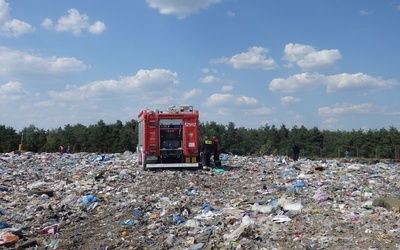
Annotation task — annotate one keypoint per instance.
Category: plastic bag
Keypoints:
(321, 196)
(88, 199)
(293, 207)
(266, 209)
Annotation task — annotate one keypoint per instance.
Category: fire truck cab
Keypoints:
(168, 139)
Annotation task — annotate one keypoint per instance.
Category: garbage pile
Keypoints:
(91, 201)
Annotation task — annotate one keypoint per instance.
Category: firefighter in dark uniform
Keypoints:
(206, 151)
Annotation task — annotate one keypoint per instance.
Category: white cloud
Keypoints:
(307, 57)
(254, 58)
(289, 100)
(152, 78)
(180, 8)
(75, 22)
(218, 99)
(192, 94)
(308, 81)
(209, 79)
(299, 82)
(18, 64)
(347, 108)
(47, 23)
(227, 88)
(295, 52)
(246, 100)
(329, 121)
(12, 91)
(156, 82)
(357, 81)
(103, 99)
(4, 11)
(10, 27)
(209, 71)
(230, 100)
(97, 28)
(319, 59)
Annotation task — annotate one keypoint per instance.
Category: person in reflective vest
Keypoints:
(206, 150)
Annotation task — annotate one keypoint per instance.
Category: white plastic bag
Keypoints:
(293, 207)
(265, 209)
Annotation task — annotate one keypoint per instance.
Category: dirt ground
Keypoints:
(78, 203)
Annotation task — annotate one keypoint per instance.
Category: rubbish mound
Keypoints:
(91, 201)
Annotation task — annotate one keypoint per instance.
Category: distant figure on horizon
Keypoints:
(61, 150)
(296, 152)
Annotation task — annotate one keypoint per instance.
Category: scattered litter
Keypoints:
(92, 201)
(281, 218)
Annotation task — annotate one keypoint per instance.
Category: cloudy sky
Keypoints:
(329, 64)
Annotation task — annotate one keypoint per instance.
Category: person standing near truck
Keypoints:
(217, 162)
(206, 150)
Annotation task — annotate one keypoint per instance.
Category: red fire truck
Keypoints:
(168, 139)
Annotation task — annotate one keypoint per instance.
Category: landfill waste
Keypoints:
(91, 201)
(389, 203)
(7, 238)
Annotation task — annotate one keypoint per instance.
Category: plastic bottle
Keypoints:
(235, 234)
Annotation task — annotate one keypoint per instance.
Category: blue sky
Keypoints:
(332, 64)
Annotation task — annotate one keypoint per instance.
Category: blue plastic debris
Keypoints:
(207, 207)
(178, 219)
(88, 199)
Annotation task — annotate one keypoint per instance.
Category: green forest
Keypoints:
(266, 140)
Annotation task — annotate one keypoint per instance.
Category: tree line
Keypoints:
(101, 137)
(265, 140)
